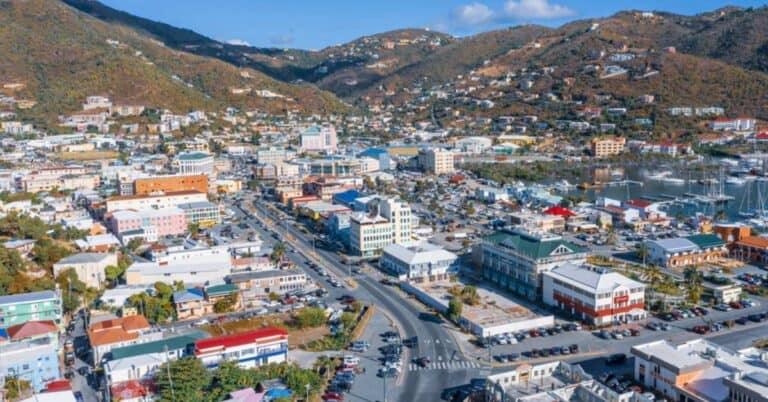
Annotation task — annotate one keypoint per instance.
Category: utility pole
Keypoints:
(384, 378)
(168, 367)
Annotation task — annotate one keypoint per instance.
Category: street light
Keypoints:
(307, 386)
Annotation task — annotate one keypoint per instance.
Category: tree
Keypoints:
(642, 252)
(47, 252)
(273, 296)
(11, 265)
(348, 320)
(72, 289)
(310, 317)
(226, 304)
(194, 229)
(189, 380)
(469, 209)
(455, 307)
(134, 244)
(16, 387)
(278, 250)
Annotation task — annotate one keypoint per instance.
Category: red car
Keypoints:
(333, 396)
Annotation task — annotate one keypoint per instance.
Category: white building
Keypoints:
(249, 349)
(193, 266)
(88, 266)
(398, 213)
(157, 201)
(436, 161)
(491, 194)
(738, 124)
(418, 261)
(319, 139)
(699, 370)
(594, 295)
(369, 234)
(473, 145)
(194, 163)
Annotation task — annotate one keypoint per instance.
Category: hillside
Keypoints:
(62, 55)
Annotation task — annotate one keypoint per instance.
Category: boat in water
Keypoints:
(672, 180)
(735, 181)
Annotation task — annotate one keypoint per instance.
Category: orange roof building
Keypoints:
(108, 334)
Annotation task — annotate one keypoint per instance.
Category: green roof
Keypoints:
(533, 247)
(192, 156)
(706, 240)
(175, 343)
(221, 290)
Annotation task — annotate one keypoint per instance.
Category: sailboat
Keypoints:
(745, 208)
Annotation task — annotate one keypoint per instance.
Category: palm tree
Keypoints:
(642, 252)
(278, 250)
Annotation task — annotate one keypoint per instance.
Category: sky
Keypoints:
(313, 24)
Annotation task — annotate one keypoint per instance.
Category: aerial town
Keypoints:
(499, 234)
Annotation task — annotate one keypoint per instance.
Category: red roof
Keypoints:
(31, 328)
(639, 203)
(132, 389)
(559, 211)
(762, 135)
(243, 338)
(57, 386)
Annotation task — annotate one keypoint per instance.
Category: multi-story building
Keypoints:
(274, 155)
(118, 332)
(331, 167)
(686, 251)
(36, 183)
(699, 370)
(259, 285)
(515, 260)
(398, 212)
(607, 146)
(369, 234)
(197, 302)
(163, 222)
(319, 139)
(193, 266)
(194, 163)
(249, 349)
(418, 262)
(30, 352)
(35, 306)
(436, 161)
(203, 213)
(738, 124)
(166, 184)
(154, 201)
(88, 266)
(594, 295)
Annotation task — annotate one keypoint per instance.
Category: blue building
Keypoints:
(385, 162)
(338, 227)
(30, 351)
(347, 198)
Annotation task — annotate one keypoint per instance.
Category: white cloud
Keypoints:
(535, 10)
(474, 14)
(238, 42)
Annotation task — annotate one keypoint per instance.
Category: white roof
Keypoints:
(61, 396)
(418, 253)
(366, 219)
(596, 281)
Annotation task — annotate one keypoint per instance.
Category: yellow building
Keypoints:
(228, 186)
(607, 146)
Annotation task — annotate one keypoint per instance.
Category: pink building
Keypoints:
(167, 221)
(319, 139)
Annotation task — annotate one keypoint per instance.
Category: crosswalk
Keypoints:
(445, 365)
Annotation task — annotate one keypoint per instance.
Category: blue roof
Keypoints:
(4, 334)
(188, 295)
(276, 393)
(373, 152)
(28, 297)
(348, 197)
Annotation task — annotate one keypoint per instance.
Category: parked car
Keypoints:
(616, 358)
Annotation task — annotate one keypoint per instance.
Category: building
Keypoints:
(154, 201)
(117, 332)
(491, 194)
(418, 262)
(515, 260)
(274, 155)
(249, 349)
(751, 248)
(197, 302)
(686, 251)
(35, 306)
(738, 124)
(30, 352)
(319, 139)
(140, 362)
(203, 213)
(436, 161)
(699, 370)
(194, 163)
(473, 145)
(398, 212)
(593, 295)
(88, 266)
(170, 184)
(607, 146)
(369, 234)
(259, 285)
(193, 266)
(162, 222)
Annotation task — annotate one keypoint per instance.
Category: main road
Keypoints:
(434, 339)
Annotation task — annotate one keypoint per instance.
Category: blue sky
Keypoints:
(313, 24)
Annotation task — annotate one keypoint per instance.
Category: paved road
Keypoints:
(434, 340)
(86, 385)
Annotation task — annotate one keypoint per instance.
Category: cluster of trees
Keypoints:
(187, 379)
(158, 307)
(466, 294)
